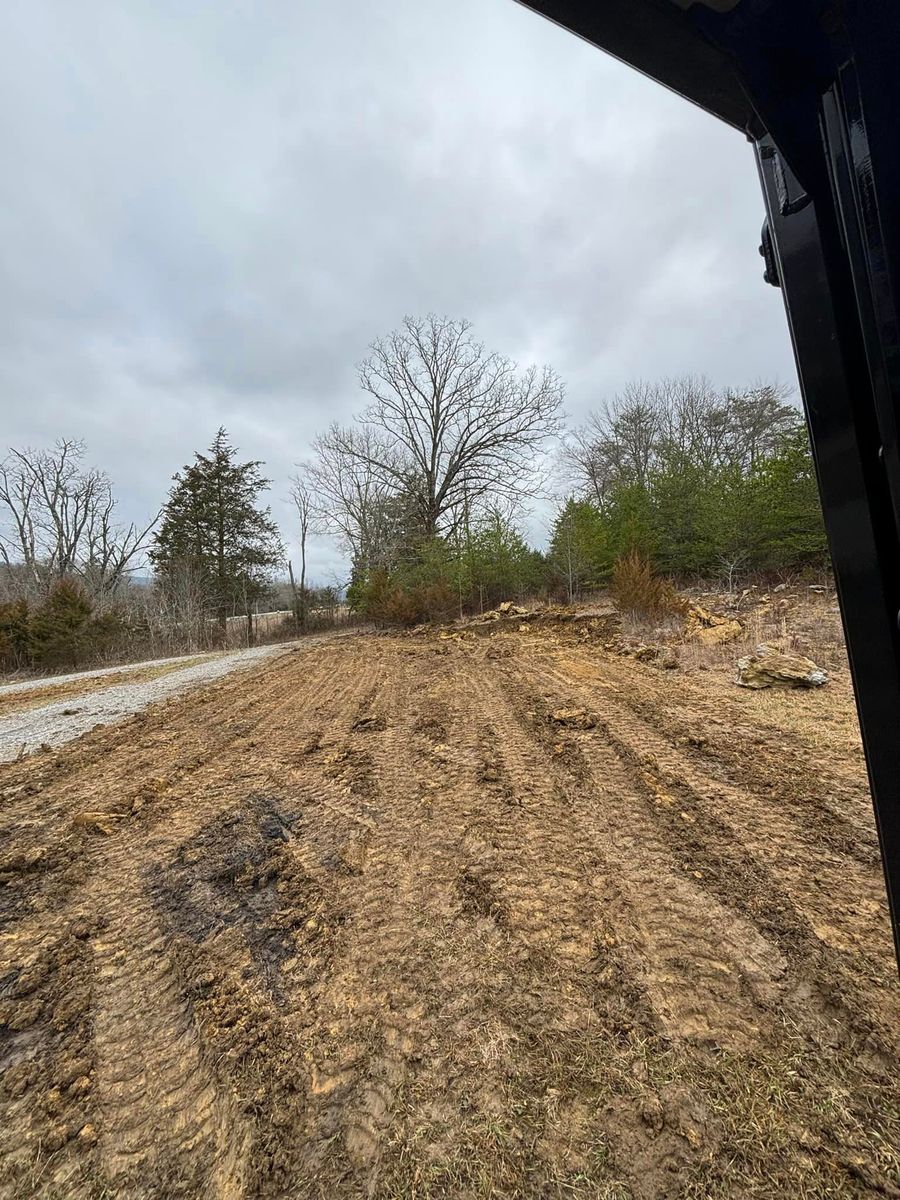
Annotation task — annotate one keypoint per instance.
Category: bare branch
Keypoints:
(59, 520)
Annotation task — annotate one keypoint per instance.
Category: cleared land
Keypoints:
(366, 921)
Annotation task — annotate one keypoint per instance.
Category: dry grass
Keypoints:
(797, 623)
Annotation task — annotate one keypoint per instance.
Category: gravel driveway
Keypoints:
(62, 720)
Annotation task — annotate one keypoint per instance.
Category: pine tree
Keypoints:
(212, 524)
(579, 551)
(60, 631)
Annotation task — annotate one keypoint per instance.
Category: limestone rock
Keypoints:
(508, 609)
(769, 668)
(709, 628)
(574, 718)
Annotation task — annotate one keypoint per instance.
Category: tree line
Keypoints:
(426, 491)
(702, 482)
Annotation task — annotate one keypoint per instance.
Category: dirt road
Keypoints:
(365, 921)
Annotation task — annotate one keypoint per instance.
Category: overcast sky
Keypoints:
(209, 208)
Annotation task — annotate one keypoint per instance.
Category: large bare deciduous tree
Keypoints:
(450, 424)
(353, 484)
(59, 521)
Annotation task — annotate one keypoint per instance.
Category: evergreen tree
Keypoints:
(60, 631)
(579, 547)
(500, 564)
(787, 525)
(212, 523)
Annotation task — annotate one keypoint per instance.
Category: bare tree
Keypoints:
(449, 423)
(674, 422)
(176, 609)
(760, 416)
(617, 444)
(352, 496)
(60, 520)
(303, 502)
(731, 564)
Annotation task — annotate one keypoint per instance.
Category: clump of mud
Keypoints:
(46, 1059)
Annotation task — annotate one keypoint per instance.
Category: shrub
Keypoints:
(15, 635)
(371, 597)
(638, 589)
(436, 601)
(60, 631)
(402, 606)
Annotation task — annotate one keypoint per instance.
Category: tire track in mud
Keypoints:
(801, 997)
(374, 935)
(815, 905)
(710, 973)
(260, 1020)
(374, 1002)
(546, 875)
(546, 862)
(477, 926)
(560, 975)
(435, 940)
(833, 805)
(161, 1118)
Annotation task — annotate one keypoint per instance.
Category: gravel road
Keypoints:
(43, 681)
(62, 720)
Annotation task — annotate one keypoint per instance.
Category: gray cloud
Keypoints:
(208, 211)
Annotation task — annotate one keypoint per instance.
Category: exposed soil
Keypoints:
(366, 921)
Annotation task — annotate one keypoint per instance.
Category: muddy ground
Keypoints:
(364, 921)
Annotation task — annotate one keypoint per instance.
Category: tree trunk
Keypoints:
(220, 563)
(303, 579)
(295, 599)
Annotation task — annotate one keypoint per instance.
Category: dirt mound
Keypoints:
(583, 623)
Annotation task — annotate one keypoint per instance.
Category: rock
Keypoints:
(709, 628)
(368, 723)
(646, 653)
(574, 718)
(24, 860)
(506, 609)
(96, 822)
(769, 668)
